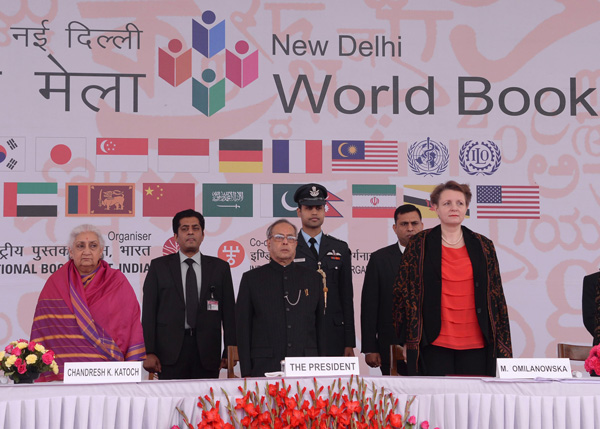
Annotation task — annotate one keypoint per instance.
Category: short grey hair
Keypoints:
(86, 227)
(277, 222)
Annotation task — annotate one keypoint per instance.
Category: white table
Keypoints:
(446, 402)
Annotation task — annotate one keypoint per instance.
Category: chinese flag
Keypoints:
(166, 199)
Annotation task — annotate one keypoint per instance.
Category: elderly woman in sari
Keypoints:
(449, 306)
(88, 311)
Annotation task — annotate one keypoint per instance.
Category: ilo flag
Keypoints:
(277, 200)
(12, 154)
(297, 156)
(508, 202)
(227, 200)
(35, 199)
(373, 201)
(100, 199)
(121, 154)
(167, 199)
(240, 156)
(60, 153)
(183, 155)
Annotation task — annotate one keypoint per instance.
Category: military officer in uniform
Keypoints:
(279, 307)
(331, 258)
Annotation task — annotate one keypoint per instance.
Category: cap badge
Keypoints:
(314, 192)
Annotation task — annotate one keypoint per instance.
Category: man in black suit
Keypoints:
(331, 256)
(279, 307)
(589, 305)
(377, 328)
(183, 335)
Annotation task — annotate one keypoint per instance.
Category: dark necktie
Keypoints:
(313, 248)
(191, 293)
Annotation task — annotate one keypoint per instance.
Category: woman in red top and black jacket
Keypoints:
(449, 306)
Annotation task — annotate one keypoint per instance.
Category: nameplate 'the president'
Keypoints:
(533, 368)
(321, 366)
(103, 372)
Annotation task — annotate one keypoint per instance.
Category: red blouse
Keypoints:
(460, 329)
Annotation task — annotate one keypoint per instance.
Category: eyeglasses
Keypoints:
(279, 238)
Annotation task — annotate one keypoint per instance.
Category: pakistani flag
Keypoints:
(377, 201)
(277, 200)
(227, 200)
(35, 199)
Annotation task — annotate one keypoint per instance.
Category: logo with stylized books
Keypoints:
(208, 40)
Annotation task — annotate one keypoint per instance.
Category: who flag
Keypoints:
(30, 199)
(365, 156)
(277, 200)
(298, 156)
(373, 201)
(227, 200)
(508, 202)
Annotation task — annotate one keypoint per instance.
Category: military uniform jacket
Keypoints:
(377, 327)
(163, 310)
(338, 323)
(278, 313)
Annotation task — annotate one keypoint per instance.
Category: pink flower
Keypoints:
(22, 368)
(48, 357)
(425, 424)
(9, 348)
(16, 351)
(31, 346)
(18, 362)
(412, 420)
(174, 427)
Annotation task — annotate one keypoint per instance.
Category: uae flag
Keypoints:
(183, 155)
(60, 153)
(373, 201)
(166, 199)
(122, 154)
(240, 156)
(297, 156)
(34, 199)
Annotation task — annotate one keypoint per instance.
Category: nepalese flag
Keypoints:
(298, 156)
(508, 202)
(35, 199)
(60, 153)
(240, 156)
(183, 155)
(366, 156)
(373, 201)
(121, 154)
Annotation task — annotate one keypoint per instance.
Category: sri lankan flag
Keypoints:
(418, 195)
(240, 156)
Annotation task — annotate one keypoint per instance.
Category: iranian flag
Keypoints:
(373, 201)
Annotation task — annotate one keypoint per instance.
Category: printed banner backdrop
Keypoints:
(119, 113)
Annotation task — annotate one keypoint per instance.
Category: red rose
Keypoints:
(48, 357)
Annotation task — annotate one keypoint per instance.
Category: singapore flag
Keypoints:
(121, 154)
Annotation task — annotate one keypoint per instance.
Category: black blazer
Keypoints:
(271, 327)
(589, 307)
(335, 258)
(163, 310)
(377, 326)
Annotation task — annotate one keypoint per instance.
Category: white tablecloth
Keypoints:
(446, 402)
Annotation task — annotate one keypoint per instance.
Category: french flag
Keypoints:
(297, 156)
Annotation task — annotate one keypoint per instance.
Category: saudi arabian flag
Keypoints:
(375, 201)
(31, 199)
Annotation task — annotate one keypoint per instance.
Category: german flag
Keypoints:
(240, 156)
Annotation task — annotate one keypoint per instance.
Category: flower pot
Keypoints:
(27, 377)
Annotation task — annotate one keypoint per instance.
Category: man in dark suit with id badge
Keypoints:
(188, 304)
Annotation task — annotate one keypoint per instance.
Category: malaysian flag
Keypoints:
(354, 155)
(508, 202)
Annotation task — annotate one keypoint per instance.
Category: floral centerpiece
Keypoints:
(345, 406)
(23, 361)
(592, 363)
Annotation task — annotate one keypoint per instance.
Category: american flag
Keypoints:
(355, 155)
(508, 202)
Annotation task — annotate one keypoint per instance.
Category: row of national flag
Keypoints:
(40, 199)
(193, 155)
